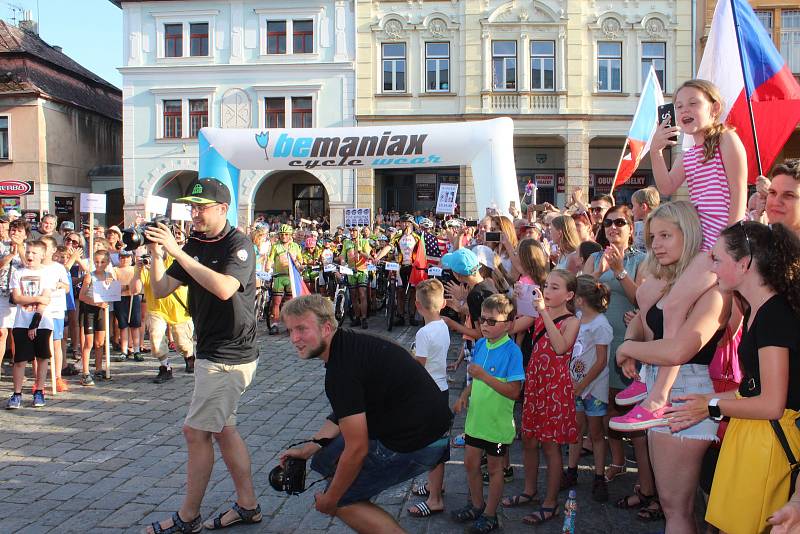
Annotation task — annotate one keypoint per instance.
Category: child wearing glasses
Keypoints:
(548, 409)
(497, 377)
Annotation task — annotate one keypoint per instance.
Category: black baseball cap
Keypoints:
(207, 191)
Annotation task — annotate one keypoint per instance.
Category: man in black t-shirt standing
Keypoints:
(389, 421)
(218, 266)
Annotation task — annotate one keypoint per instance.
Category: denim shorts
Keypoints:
(692, 378)
(382, 467)
(58, 329)
(591, 406)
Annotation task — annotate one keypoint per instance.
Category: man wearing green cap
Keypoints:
(278, 261)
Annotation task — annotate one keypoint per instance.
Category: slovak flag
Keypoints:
(765, 80)
(299, 287)
(644, 124)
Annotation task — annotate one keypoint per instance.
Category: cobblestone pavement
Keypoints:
(112, 457)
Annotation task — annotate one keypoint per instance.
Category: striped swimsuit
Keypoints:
(708, 191)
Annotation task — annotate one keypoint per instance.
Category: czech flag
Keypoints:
(299, 287)
(644, 124)
(762, 77)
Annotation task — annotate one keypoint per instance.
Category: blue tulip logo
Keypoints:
(263, 141)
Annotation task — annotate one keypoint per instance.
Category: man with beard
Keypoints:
(218, 265)
(389, 421)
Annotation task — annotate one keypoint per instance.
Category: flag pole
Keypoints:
(616, 173)
(746, 86)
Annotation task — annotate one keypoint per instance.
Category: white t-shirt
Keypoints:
(32, 283)
(638, 236)
(432, 342)
(58, 297)
(584, 353)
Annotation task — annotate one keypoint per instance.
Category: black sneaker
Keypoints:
(189, 365)
(600, 489)
(138, 357)
(164, 374)
(364, 323)
(70, 370)
(569, 479)
(355, 322)
(273, 330)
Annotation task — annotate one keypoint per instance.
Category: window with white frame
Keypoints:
(543, 65)
(173, 40)
(173, 123)
(437, 67)
(790, 38)
(198, 115)
(4, 138)
(765, 17)
(276, 37)
(504, 65)
(655, 54)
(275, 112)
(302, 112)
(609, 66)
(393, 59)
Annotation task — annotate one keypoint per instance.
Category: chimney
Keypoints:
(27, 23)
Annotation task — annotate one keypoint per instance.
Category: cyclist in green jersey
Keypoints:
(278, 261)
(356, 251)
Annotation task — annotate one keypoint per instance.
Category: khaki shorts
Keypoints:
(182, 334)
(217, 390)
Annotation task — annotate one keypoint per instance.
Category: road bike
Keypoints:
(263, 303)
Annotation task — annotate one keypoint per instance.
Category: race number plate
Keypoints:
(434, 271)
(345, 270)
(391, 266)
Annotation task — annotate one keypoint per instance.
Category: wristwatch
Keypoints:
(713, 410)
(622, 275)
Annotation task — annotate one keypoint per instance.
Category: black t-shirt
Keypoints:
(368, 374)
(226, 329)
(475, 298)
(775, 325)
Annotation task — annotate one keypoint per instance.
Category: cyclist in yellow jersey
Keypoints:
(356, 250)
(311, 259)
(278, 261)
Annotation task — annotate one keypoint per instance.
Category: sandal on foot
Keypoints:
(542, 515)
(423, 490)
(643, 500)
(618, 471)
(421, 509)
(647, 514)
(468, 513)
(179, 526)
(519, 500)
(245, 516)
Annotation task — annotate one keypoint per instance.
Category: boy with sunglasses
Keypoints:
(497, 377)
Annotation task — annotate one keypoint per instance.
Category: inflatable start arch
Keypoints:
(486, 146)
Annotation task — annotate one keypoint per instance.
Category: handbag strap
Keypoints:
(776, 426)
(542, 332)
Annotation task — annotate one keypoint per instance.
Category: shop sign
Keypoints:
(15, 188)
(545, 180)
(562, 180)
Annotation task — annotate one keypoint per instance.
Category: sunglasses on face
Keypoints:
(596, 209)
(491, 322)
(619, 223)
(73, 241)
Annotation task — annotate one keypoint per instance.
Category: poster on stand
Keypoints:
(448, 195)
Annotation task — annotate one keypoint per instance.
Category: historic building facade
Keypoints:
(568, 72)
(235, 64)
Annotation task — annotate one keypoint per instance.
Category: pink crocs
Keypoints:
(632, 394)
(638, 419)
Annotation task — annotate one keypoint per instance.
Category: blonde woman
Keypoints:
(564, 235)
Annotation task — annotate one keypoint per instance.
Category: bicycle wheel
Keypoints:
(390, 307)
(338, 306)
(260, 305)
(268, 307)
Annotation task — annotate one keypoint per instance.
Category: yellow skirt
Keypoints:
(752, 479)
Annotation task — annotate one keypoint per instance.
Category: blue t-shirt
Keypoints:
(490, 416)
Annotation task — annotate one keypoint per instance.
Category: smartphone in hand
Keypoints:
(492, 237)
(667, 113)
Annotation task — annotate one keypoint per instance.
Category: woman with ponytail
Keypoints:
(752, 477)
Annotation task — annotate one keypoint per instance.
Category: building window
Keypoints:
(766, 19)
(394, 67)
(655, 54)
(437, 67)
(543, 65)
(173, 40)
(198, 116)
(301, 112)
(4, 138)
(504, 65)
(172, 119)
(198, 39)
(275, 112)
(790, 38)
(303, 34)
(309, 201)
(276, 37)
(609, 66)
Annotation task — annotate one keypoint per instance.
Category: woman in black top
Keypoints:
(751, 481)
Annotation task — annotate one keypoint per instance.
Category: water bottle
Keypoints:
(570, 509)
